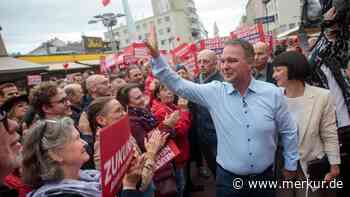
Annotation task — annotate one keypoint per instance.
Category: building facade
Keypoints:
(174, 20)
(286, 14)
(3, 51)
(57, 46)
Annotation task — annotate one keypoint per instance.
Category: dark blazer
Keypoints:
(269, 73)
(201, 116)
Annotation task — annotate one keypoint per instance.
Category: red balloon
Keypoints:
(65, 66)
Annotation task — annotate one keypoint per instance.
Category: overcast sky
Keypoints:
(27, 23)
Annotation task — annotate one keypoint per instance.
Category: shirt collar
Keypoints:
(253, 87)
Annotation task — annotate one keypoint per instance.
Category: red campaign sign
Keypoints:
(252, 34)
(102, 64)
(188, 53)
(215, 44)
(137, 49)
(116, 154)
(167, 154)
(270, 41)
(111, 60)
(140, 50)
(183, 51)
(34, 79)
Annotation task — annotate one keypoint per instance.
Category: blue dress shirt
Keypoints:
(247, 127)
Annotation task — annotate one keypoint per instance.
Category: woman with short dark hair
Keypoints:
(314, 112)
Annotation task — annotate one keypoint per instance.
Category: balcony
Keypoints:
(191, 4)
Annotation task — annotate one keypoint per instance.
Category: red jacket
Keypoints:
(15, 182)
(182, 127)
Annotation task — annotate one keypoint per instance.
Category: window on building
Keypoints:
(125, 31)
(291, 25)
(167, 18)
(140, 37)
(159, 21)
(146, 35)
(127, 41)
(162, 42)
(137, 27)
(144, 25)
(117, 33)
(161, 32)
(168, 30)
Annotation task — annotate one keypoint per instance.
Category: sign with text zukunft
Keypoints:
(116, 155)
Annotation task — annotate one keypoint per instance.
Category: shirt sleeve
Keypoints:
(288, 131)
(328, 131)
(197, 93)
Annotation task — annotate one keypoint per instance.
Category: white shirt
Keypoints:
(341, 109)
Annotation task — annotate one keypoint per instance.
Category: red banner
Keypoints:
(215, 44)
(103, 68)
(137, 49)
(116, 155)
(252, 34)
(182, 51)
(168, 153)
(188, 54)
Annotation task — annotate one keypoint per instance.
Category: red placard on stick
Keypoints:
(116, 154)
(168, 153)
(252, 34)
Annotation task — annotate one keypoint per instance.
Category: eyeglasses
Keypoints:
(3, 119)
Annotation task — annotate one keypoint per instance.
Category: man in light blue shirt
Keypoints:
(248, 115)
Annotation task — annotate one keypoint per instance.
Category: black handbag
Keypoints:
(318, 168)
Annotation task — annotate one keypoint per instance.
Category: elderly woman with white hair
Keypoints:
(53, 154)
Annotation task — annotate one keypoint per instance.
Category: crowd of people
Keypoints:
(247, 114)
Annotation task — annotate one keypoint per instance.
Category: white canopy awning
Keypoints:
(287, 33)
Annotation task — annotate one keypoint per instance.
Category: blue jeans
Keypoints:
(150, 190)
(224, 184)
(180, 181)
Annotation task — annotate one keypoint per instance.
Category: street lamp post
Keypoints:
(108, 20)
